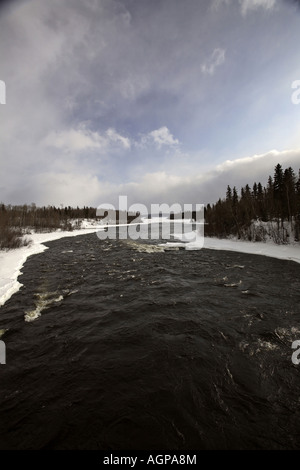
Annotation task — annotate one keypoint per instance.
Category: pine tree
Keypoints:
(289, 193)
(235, 198)
(278, 191)
(297, 208)
(269, 197)
(261, 213)
(254, 191)
(228, 194)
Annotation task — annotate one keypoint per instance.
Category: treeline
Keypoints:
(277, 203)
(42, 219)
(19, 220)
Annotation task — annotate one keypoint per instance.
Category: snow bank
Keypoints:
(286, 252)
(12, 261)
(193, 241)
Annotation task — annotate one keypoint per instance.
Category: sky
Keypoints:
(164, 101)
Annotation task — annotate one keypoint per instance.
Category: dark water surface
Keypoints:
(139, 349)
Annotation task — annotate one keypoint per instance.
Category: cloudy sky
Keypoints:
(160, 100)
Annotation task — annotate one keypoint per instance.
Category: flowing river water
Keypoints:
(118, 344)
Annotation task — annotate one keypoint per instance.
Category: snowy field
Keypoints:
(12, 261)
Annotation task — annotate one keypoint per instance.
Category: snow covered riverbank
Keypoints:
(11, 262)
(286, 252)
(268, 248)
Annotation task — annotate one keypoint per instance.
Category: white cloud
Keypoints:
(216, 59)
(113, 136)
(199, 187)
(63, 187)
(216, 4)
(74, 140)
(160, 137)
(248, 5)
(73, 186)
(245, 5)
(82, 139)
(247, 170)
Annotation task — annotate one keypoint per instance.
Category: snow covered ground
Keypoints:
(269, 248)
(287, 252)
(11, 262)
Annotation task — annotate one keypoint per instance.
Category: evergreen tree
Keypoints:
(280, 199)
(235, 198)
(289, 193)
(228, 194)
(278, 191)
(254, 191)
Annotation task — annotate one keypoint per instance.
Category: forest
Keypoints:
(256, 213)
(19, 220)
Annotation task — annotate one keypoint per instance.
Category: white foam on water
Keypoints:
(235, 266)
(145, 247)
(234, 284)
(45, 300)
(265, 346)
